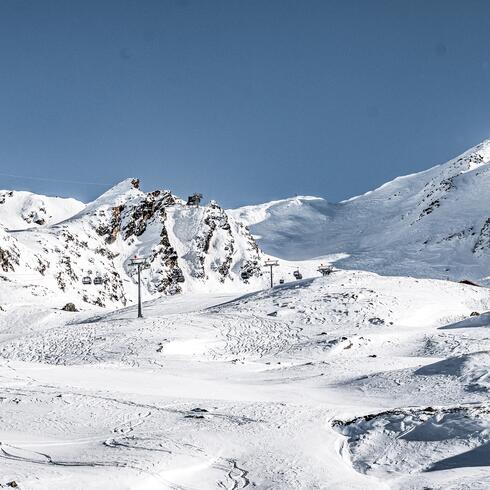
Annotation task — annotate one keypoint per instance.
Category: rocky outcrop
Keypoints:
(89, 254)
(482, 244)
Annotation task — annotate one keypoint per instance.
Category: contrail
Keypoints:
(47, 179)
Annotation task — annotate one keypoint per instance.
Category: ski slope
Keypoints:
(348, 381)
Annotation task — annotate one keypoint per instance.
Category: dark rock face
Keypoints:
(69, 307)
(9, 253)
(482, 243)
(215, 219)
(6, 260)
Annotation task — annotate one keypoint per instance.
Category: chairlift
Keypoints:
(87, 280)
(98, 280)
(325, 270)
(281, 281)
(297, 274)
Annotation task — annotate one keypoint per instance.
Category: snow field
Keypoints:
(312, 384)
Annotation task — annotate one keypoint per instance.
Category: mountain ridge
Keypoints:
(188, 248)
(433, 223)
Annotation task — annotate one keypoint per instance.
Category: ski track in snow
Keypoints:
(333, 383)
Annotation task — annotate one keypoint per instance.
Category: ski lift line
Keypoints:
(49, 179)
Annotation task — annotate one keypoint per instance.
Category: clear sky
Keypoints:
(245, 101)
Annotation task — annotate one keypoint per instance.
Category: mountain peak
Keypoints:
(124, 191)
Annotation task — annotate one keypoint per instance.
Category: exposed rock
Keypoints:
(469, 283)
(122, 223)
(482, 243)
(69, 307)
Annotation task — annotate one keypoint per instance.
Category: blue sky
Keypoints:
(244, 101)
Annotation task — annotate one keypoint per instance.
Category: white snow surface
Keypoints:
(352, 381)
(21, 209)
(362, 379)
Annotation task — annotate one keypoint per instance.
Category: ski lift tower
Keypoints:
(140, 263)
(271, 263)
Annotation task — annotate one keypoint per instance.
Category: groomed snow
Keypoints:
(349, 381)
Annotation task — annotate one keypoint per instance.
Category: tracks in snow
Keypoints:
(255, 336)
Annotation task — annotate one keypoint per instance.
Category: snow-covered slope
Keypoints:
(20, 209)
(434, 223)
(188, 249)
(351, 381)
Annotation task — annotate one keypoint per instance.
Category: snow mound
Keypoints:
(409, 441)
(472, 369)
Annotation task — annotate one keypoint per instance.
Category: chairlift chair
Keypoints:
(297, 274)
(87, 280)
(325, 270)
(281, 281)
(98, 280)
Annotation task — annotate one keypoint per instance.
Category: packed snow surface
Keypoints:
(353, 380)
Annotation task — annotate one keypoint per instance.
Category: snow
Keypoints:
(429, 224)
(362, 379)
(20, 209)
(211, 390)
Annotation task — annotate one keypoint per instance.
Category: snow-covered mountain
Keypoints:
(21, 209)
(189, 248)
(434, 223)
(354, 380)
(430, 224)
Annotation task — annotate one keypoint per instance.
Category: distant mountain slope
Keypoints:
(434, 223)
(20, 209)
(188, 248)
(292, 229)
